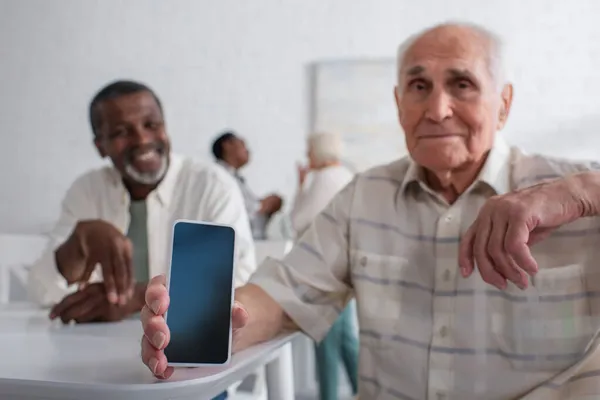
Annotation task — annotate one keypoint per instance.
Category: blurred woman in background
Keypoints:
(318, 183)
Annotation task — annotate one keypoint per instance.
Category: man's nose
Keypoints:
(439, 106)
(140, 136)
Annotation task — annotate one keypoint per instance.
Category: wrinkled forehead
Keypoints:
(446, 50)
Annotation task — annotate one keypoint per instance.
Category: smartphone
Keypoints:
(200, 284)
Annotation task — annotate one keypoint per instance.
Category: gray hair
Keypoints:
(496, 58)
(325, 147)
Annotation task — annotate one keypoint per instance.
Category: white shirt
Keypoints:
(317, 191)
(425, 332)
(258, 221)
(190, 190)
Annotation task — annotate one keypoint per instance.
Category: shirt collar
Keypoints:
(165, 189)
(231, 170)
(228, 167)
(495, 171)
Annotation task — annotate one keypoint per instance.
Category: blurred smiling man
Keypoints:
(115, 224)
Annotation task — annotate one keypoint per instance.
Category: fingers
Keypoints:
(516, 244)
(157, 296)
(128, 256)
(81, 306)
(155, 360)
(502, 262)
(122, 274)
(482, 260)
(155, 329)
(498, 245)
(87, 310)
(98, 309)
(66, 303)
(87, 274)
(117, 272)
(239, 316)
(156, 332)
(465, 252)
(109, 280)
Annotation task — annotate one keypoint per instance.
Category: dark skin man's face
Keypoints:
(132, 134)
(236, 152)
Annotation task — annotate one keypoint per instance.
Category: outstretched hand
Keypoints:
(156, 332)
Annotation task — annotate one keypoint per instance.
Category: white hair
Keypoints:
(325, 147)
(496, 58)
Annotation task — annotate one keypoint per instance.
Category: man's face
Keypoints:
(448, 103)
(237, 152)
(133, 135)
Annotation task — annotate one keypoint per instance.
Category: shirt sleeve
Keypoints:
(312, 282)
(226, 206)
(45, 285)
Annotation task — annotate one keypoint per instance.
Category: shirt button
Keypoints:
(446, 275)
(448, 218)
(363, 261)
(440, 396)
(443, 331)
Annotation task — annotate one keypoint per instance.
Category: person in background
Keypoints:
(318, 183)
(231, 152)
(115, 225)
(525, 326)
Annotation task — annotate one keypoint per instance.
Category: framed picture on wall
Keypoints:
(355, 98)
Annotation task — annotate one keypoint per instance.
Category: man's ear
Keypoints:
(99, 147)
(227, 147)
(507, 98)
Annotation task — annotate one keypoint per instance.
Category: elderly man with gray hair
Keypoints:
(318, 183)
(326, 176)
(524, 326)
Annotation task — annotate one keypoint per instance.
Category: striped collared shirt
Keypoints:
(426, 332)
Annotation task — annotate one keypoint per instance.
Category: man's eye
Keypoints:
(463, 84)
(118, 133)
(417, 84)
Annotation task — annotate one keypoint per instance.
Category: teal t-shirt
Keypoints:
(138, 234)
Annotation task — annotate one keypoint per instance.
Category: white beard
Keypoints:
(148, 178)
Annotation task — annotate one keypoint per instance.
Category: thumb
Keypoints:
(465, 252)
(239, 316)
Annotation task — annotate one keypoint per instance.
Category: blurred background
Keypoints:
(253, 67)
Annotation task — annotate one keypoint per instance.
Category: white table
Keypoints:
(46, 360)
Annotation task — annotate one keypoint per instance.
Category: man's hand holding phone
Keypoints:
(156, 332)
(98, 242)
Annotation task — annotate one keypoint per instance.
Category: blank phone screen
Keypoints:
(200, 288)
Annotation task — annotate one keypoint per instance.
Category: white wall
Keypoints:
(242, 64)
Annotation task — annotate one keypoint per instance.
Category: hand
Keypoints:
(156, 332)
(91, 305)
(98, 242)
(498, 241)
(270, 204)
(302, 173)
